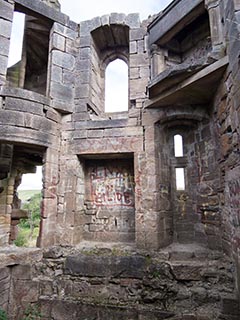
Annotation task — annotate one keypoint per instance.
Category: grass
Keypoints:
(25, 195)
(24, 238)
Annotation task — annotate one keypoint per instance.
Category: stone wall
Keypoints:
(5, 287)
(112, 177)
(6, 16)
(226, 133)
(62, 66)
(68, 283)
(28, 119)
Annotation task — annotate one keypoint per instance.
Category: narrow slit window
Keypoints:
(178, 145)
(180, 179)
(116, 86)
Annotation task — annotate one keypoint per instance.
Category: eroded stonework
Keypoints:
(111, 179)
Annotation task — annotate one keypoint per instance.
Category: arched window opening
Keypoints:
(178, 145)
(116, 86)
(180, 179)
(16, 42)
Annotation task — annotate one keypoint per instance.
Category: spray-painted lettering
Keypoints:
(112, 186)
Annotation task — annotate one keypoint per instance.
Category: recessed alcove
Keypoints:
(109, 213)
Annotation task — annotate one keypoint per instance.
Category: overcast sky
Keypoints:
(80, 11)
(85, 10)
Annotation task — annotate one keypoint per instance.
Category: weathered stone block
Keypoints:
(84, 41)
(25, 95)
(5, 28)
(138, 60)
(133, 20)
(23, 105)
(133, 47)
(4, 273)
(105, 20)
(71, 47)
(28, 295)
(68, 77)
(83, 65)
(87, 26)
(95, 133)
(187, 272)
(62, 59)
(137, 34)
(3, 64)
(58, 42)
(230, 305)
(4, 46)
(82, 91)
(41, 124)
(61, 92)
(106, 266)
(109, 145)
(45, 10)
(117, 18)
(85, 53)
(53, 115)
(134, 73)
(22, 272)
(236, 5)
(80, 134)
(64, 31)
(63, 107)
(6, 10)
(11, 118)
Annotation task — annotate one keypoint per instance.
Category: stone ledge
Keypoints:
(12, 255)
(24, 94)
(105, 266)
(42, 8)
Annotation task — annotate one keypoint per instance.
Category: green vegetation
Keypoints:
(29, 228)
(32, 312)
(25, 195)
(3, 315)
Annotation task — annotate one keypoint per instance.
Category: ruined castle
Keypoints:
(160, 249)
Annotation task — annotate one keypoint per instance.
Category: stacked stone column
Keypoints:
(6, 16)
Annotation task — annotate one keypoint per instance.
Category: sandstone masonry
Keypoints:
(112, 178)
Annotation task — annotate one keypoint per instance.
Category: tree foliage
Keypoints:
(28, 228)
(33, 208)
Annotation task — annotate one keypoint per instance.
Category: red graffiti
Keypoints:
(112, 186)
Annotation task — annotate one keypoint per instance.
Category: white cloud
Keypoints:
(32, 181)
(85, 10)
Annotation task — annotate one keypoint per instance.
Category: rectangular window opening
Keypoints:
(29, 50)
(180, 179)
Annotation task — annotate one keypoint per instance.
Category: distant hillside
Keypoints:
(24, 195)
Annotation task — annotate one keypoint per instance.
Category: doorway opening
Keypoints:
(27, 208)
